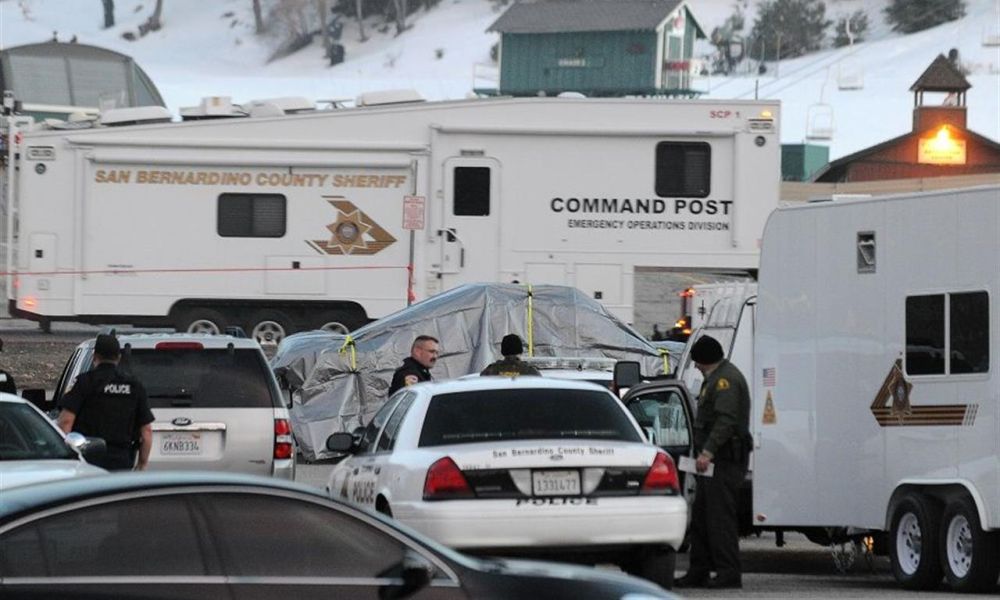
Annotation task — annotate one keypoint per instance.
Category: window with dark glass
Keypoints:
(472, 191)
(367, 443)
(251, 215)
(141, 537)
(683, 169)
(970, 332)
(293, 538)
(388, 439)
(966, 347)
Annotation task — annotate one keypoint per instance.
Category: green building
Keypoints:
(596, 47)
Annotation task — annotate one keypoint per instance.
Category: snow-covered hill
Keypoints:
(208, 48)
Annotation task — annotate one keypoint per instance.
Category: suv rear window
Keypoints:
(524, 414)
(208, 378)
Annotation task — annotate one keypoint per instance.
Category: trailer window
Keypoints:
(966, 347)
(472, 191)
(251, 215)
(683, 169)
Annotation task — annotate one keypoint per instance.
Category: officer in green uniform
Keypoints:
(722, 439)
(511, 364)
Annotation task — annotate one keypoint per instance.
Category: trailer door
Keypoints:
(471, 232)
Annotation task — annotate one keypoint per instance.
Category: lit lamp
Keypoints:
(941, 149)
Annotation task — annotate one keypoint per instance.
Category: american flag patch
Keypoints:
(769, 377)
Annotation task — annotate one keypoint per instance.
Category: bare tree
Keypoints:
(153, 23)
(109, 13)
(359, 9)
(258, 17)
(400, 10)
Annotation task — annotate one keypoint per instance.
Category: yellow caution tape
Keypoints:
(349, 341)
(665, 354)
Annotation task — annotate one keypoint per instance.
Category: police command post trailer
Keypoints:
(877, 357)
(293, 221)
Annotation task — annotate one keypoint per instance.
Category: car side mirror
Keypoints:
(38, 398)
(340, 442)
(91, 448)
(417, 573)
(627, 373)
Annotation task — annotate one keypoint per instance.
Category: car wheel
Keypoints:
(969, 555)
(656, 565)
(270, 327)
(913, 546)
(201, 320)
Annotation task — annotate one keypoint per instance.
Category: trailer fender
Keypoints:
(942, 490)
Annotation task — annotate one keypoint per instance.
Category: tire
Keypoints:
(970, 557)
(382, 506)
(913, 543)
(337, 321)
(270, 327)
(654, 564)
(201, 320)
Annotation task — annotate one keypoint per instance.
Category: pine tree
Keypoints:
(909, 16)
(788, 28)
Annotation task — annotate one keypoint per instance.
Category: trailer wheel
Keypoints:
(916, 522)
(969, 555)
(338, 321)
(201, 320)
(269, 327)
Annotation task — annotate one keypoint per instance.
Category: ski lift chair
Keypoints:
(850, 76)
(819, 122)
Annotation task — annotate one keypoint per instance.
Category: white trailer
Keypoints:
(334, 217)
(875, 356)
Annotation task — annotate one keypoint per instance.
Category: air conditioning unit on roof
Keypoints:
(388, 97)
(135, 115)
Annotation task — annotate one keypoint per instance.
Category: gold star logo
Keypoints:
(349, 232)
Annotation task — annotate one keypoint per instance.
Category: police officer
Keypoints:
(110, 404)
(417, 366)
(511, 364)
(722, 439)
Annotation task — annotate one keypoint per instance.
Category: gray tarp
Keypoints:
(338, 394)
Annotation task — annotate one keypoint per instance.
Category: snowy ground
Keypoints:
(208, 48)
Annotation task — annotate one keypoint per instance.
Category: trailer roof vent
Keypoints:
(211, 107)
(136, 115)
(287, 105)
(388, 97)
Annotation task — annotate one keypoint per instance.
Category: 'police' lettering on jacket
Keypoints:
(118, 389)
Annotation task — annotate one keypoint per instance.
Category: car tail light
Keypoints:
(445, 481)
(180, 346)
(283, 447)
(661, 477)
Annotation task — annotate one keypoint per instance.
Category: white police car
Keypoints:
(529, 466)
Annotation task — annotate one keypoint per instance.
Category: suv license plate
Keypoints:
(180, 444)
(555, 483)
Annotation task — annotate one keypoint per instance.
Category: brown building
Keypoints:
(940, 144)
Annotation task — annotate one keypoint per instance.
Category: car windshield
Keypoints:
(524, 414)
(201, 378)
(25, 435)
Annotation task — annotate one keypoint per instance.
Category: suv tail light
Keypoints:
(180, 346)
(661, 477)
(445, 481)
(283, 447)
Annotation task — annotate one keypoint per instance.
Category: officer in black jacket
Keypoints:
(511, 364)
(416, 367)
(107, 403)
(722, 439)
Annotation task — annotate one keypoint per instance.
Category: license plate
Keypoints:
(180, 444)
(555, 483)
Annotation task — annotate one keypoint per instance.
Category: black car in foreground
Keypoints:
(223, 536)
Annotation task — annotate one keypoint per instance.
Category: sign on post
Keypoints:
(413, 212)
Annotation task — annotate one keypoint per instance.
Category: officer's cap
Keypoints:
(511, 345)
(706, 351)
(107, 346)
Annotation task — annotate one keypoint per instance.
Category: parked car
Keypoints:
(219, 535)
(525, 466)
(216, 402)
(33, 449)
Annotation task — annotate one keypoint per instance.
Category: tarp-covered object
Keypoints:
(344, 388)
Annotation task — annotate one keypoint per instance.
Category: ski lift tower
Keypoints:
(850, 74)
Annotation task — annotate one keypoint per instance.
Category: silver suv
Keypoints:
(216, 402)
